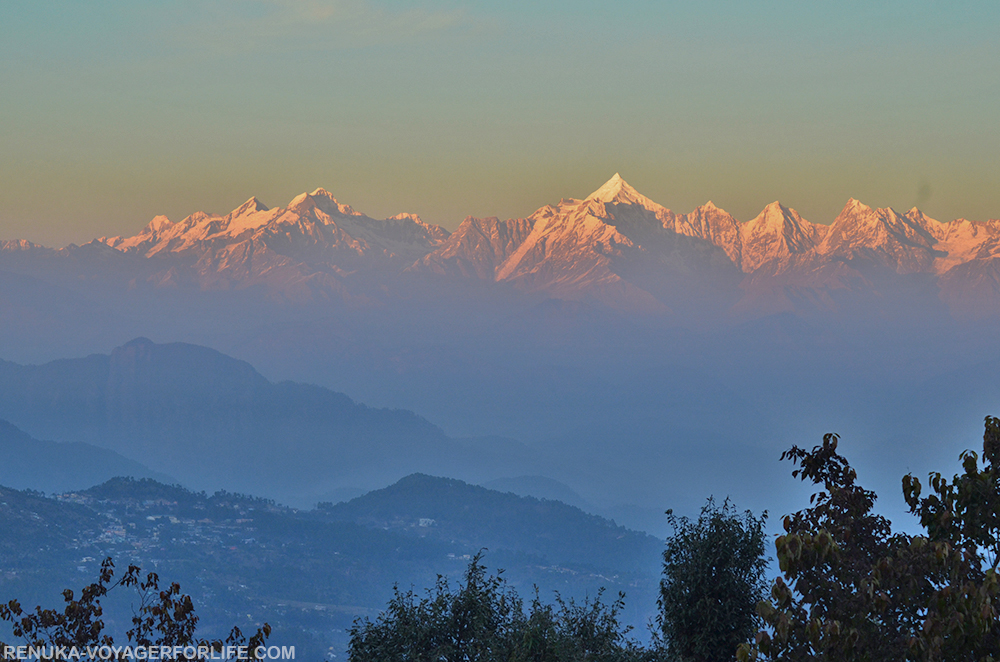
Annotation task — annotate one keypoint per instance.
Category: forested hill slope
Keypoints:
(451, 510)
(248, 560)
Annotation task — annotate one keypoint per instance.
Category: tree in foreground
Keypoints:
(853, 590)
(484, 620)
(713, 578)
(163, 618)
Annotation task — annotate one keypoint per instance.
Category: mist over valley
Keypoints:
(593, 365)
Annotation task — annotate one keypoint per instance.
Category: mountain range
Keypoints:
(615, 246)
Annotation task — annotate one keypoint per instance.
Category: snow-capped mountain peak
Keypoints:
(20, 245)
(777, 233)
(615, 246)
(855, 206)
(299, 200)
(158, 224)
(314, 234)
(324, 196)
(882, 235)
(609, 189)
(772, 216)
(251, 206)
(324, 201)
(617, 191)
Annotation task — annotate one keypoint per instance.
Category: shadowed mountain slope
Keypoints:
(451, 510)
(50, 466)
(213, 421)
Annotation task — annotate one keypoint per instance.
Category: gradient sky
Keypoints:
(114, 111)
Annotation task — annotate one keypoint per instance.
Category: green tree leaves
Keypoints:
(713, 577)
(853, 590)
(484, 620)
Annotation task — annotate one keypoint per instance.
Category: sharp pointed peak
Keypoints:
(299, 199)
(917, 214)
(854, 207)
(617, 190)
(611, 189)
(250, 206)
(773, 215)
(709, 208)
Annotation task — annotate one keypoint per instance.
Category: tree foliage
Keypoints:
(853, 590)
(485, 620)
(962, 519)
(713, 577)
(164, 617)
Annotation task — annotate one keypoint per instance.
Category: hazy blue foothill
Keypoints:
(448, 509)
(53, 467)
(630, 430)
(539, 487)
(214, 422)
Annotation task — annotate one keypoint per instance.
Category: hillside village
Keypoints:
(249, 560)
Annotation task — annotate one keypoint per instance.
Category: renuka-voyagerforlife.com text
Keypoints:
(147, 653)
